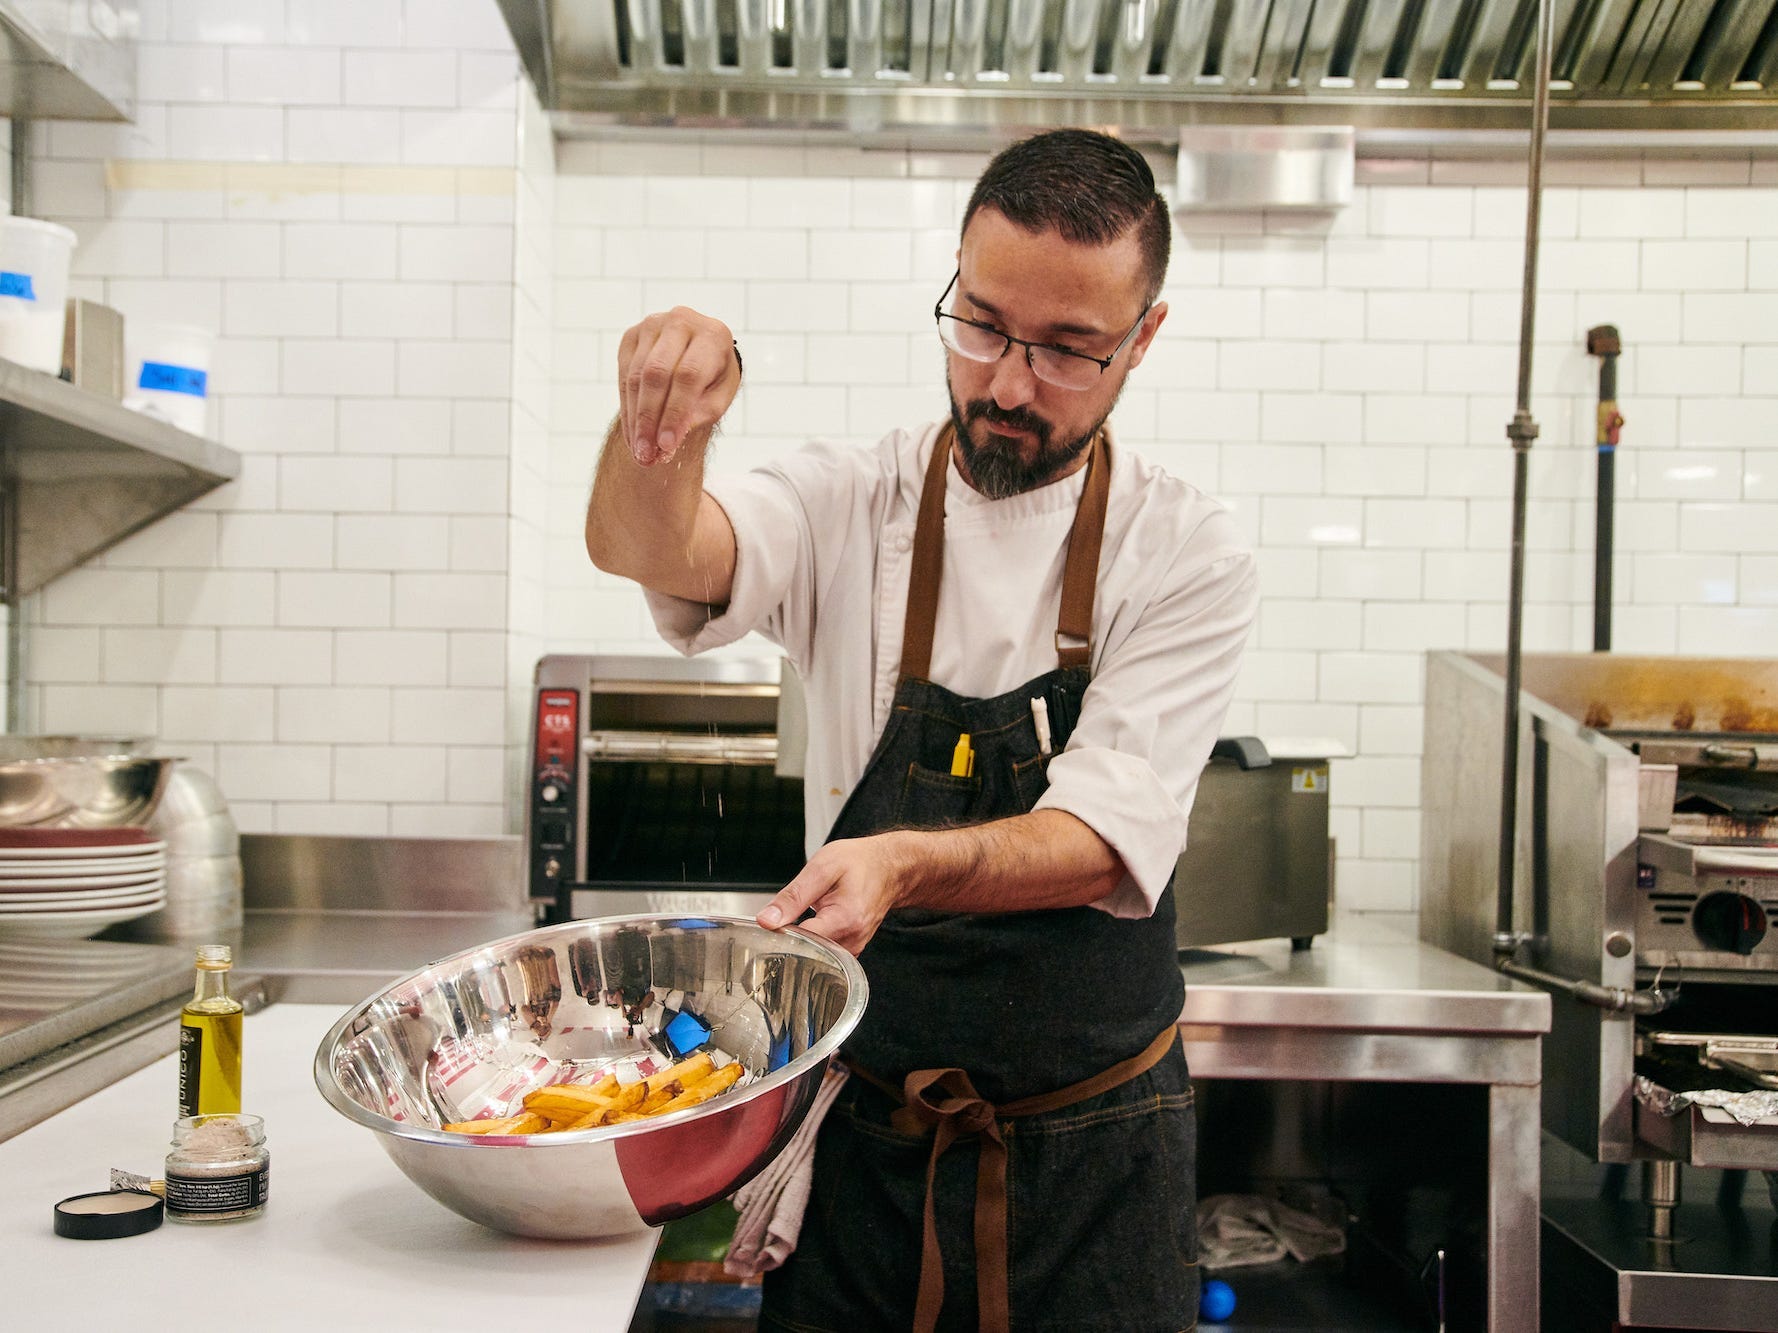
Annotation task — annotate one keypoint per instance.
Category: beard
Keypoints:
(998, 468)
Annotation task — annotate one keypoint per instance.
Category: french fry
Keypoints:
(578, 1098)
(722, 1080)
(559, 1106)
(604, 1087)
(694, 1096)
(512, 1124)
(685, 1073)
(592, 1119)
(630, 1098)
(479, 1126)
(702, 1091)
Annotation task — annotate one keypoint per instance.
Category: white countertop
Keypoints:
(346, 1241)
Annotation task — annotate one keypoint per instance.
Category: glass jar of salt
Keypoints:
(219, 1169)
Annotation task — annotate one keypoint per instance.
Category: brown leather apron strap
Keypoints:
(1080, 572)
(929, 562)
(945, 1103)
(1080, 575)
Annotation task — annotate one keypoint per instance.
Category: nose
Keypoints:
(1013, 385)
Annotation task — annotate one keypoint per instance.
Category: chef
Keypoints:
(1017, 641)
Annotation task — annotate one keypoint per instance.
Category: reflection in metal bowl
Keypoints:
(81, 792)
(469, 1036)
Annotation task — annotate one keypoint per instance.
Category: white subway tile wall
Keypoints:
(513, 538)
(330, 186)
(1343, 384)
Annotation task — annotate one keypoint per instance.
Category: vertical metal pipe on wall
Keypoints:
(1604, 343)
(9, 527)
(1521, 431)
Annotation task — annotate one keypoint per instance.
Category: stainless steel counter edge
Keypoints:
(1369, 973)
(1304, 1005)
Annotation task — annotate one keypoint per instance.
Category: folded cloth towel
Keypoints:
(1239, 1229)
(771, 1204)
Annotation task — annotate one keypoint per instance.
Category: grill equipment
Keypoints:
(1646, 851)
(663, 776)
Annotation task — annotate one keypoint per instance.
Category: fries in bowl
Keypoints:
(557, 1107)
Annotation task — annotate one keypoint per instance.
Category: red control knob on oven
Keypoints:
(1729, 921)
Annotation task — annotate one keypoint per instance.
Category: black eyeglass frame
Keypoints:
(1104, 363)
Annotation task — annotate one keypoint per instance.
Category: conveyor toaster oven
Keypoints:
(662, 776)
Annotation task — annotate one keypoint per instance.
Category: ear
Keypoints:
(1151, 325)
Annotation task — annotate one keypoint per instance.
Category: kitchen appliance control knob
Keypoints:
(1729, 921)
(1618, 944)
(551, 793)
(552, 869)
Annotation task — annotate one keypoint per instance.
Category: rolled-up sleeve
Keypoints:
(1153, 712)
(778, 553)
(764, 513)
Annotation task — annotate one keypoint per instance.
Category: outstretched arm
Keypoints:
(649, 518)
(1045, 859)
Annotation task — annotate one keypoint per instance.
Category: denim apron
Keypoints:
(1018, 1149)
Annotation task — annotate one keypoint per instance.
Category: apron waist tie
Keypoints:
(945, 1103)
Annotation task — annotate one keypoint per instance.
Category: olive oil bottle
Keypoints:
(210, 1039)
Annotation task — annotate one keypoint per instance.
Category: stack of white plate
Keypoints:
(49, 975)
(75, 882)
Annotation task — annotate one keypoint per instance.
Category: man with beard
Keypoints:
(1017, 642)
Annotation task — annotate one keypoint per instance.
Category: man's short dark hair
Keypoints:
(1087, 186)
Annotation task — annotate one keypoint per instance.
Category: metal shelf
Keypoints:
(66, 61)
(80, 472)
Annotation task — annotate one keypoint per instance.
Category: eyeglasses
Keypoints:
(1060, 366)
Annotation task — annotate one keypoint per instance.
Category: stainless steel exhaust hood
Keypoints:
(941, 66)
(68, 59)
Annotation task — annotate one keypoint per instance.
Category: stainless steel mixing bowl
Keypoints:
(93, 791)
(470, 1035)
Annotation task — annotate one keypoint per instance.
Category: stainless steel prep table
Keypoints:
(1371, 1003)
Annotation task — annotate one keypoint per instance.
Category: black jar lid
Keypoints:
(108, 1214)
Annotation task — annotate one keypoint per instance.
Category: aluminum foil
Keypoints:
(1745, 1107)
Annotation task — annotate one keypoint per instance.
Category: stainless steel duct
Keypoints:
(67, 59)
(888, 64)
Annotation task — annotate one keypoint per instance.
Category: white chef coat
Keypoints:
(823, 554)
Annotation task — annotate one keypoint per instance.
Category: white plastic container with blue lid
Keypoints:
(34, 260)
(167, 373)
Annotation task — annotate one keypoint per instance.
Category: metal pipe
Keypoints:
(21, 167)
(15, 607)
(1521, 431)
(1660, 1191)
(20, 203)
(1614, 998)
(1604, 343)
